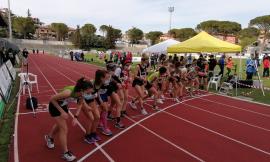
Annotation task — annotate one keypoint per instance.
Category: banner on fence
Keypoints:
(11, 69)
(5, 80)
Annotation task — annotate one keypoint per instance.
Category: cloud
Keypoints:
(145, 14)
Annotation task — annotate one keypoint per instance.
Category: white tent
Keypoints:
(160, 47)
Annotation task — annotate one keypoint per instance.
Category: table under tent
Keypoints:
(205, 43)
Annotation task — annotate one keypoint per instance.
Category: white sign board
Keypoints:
(5, 79)
(11, 70)
(136, 59)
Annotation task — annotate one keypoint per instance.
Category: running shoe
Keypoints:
(143, 111)
(49, 142)
(68, 156)
(155, 108)
(106, 131)
(119, 125)
(96, 137)
(159, 101)
(133, 105)
(88, 139)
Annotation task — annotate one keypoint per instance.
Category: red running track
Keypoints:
(207, 128)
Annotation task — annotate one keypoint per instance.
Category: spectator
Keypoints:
(2, 56)
(71, 55)
(221, 64)
(251, 67)
(189, 59)
(212, 64)
(82, 56)
(25, 56)
(200, 61)
(34, 51)
(229, 65)
(175, 59)
(111, 56)
(266, 65)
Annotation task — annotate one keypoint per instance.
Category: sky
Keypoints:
(148, 15)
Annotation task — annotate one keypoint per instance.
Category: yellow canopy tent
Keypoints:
(203, 42)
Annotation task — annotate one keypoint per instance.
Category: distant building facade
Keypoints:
(46, 33)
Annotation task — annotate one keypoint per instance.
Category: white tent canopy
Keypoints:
(160, 47)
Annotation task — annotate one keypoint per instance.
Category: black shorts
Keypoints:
(54, 112)
(89, 101)
(137, 81)
(112, 88)
(148, 86)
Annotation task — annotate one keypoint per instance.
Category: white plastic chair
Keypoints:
(29, 79)
(214, 80)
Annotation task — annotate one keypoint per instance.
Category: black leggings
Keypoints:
(266, 72)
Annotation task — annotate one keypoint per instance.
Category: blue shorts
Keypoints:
(104, 97)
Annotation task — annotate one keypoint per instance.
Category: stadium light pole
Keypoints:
(171, 10)
(9, 21)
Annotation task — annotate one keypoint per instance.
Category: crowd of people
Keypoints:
(106, 97)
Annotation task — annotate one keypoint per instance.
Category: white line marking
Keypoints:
(16, 150)
(222, 135)
(167, 141)
(131, 126)
(265, 115)
(223, 116)
(103, 151)
(254, 102)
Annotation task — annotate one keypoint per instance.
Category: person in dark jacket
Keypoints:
(212, 62)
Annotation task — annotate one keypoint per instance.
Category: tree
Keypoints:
(76, 37)
(182, 34)
(112, 36)
(88, 29)
(263, 23)
(173, 32)
(23, 26)
(103, 29)
(134, 35)
(153, 36)
(185, 33)
(61, 30)
(248, 36)
(217, 27)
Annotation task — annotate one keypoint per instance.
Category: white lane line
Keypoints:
(212, 131)
(102, 150)
(222, 135)
(167, 141)
(16, 150)
(131, 126)
(226, 117)
(235, 107)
